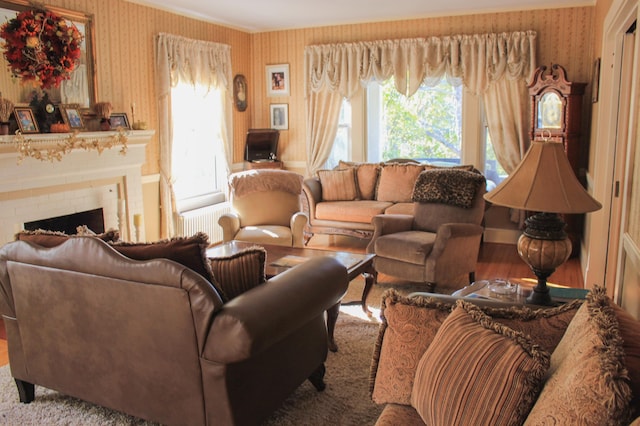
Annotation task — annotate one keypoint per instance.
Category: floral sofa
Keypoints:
(442, 360)
(343, 201)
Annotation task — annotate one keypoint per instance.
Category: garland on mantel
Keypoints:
(26, 149)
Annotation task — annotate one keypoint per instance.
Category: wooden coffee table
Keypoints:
(281, 258)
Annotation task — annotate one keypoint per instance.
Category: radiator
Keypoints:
(204, 219)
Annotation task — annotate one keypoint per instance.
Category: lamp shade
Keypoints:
(544, 182)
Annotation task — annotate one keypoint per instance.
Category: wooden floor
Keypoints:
(495, 261)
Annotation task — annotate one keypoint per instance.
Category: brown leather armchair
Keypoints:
(153, 338)
(441, 241)
(266, 208)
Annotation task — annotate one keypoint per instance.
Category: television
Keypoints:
(261, 145)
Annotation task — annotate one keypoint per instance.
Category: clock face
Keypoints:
(49, 108)
(550, 111)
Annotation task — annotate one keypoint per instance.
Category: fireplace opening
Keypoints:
(93, 219)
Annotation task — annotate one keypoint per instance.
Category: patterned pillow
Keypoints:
(410, 324)
(366, 177)
(50, 239)
(588, 382)
(497, 375)
(447, 186)
(239, 272)
(338, 185)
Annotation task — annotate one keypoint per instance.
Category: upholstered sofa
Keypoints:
(157, 340)
(441, 360)
(343, 201)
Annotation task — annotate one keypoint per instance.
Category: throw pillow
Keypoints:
(630, 334)
(477, 371)
(467, 167)
(338, 185)
(50, 239)
(409, 324)
(396, 182)
(454, 187)
(239, 272)
(366, 177)
(587, 381)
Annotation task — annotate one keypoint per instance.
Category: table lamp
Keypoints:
(544, 183)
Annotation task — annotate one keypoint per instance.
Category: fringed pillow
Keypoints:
(50, 239)
(454, 187)
(239, 272)
(478, 372)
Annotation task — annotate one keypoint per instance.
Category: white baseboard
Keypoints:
(502, 236)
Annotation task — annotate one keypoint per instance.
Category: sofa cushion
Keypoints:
(396, 182)
(361, 211)
(50, 239)
(401, 208)
(587, 380)
(447, 186)
(630, 333)
(366, 177)
(409, 325)
(498, 372)
(397, 414)
(239, 272)
(338, 185)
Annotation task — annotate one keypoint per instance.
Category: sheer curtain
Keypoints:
(495, 66)
(180, 59)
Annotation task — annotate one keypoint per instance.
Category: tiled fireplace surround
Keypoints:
(83, 180)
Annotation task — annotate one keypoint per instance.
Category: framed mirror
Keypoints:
(80, 89)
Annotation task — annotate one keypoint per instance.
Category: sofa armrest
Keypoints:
(264, 315)
(298, 221)
(312, 192)
(230, 223)
(450, 231)
(388, 224)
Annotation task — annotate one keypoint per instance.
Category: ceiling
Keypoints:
(270, 15)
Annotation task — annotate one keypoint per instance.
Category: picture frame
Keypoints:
(26, 120)
(279, 116)
(119, 120)
(240, 92)
(72, 116)
(595, 82)
(278, 80)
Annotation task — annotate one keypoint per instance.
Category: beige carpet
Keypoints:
(345, 401)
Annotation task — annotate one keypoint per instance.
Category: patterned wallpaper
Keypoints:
(125, 63)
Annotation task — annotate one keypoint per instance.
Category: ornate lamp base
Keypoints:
(543, 246)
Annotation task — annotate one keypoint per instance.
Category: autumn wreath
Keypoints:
(41, 46)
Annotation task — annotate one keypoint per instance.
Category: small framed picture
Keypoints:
(119, 119)
(279, 116)
(71, 116)
(26, 120)
(278, 80)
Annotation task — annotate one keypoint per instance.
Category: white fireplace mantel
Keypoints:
(82, 180)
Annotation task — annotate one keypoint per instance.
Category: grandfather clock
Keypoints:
(556, 114)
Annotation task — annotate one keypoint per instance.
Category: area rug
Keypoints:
(345, 401)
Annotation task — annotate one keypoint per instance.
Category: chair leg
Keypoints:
(26, 391)
(472, 277)
(431, 287)
(317, 378)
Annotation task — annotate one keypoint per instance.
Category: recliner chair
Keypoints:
(441, 241)
(266, 208)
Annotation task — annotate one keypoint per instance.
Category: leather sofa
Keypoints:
(345, 200)
(154, 339)
(499, 363)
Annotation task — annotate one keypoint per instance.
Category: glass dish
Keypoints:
(502, 287)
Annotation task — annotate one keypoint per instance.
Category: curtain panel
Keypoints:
(180, 59)
(475, 61)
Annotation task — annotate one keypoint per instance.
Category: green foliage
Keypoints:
(425, 125)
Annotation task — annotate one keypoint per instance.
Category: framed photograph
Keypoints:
(26, 120)
(279, 116)
(240, 92)
(119, 119)
(278, 80)
(595, 83)
(71, 116)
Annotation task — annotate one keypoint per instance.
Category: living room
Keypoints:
(573, 37)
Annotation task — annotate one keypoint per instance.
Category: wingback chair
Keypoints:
(266, 208)
(441, 241)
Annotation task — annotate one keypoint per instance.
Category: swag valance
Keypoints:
(472, 60)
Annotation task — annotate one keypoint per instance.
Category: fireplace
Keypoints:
(92, 219)
(82, 181)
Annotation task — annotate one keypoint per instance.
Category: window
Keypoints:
(443, 124)
(197, 157)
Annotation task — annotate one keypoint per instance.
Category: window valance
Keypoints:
(472, 60)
